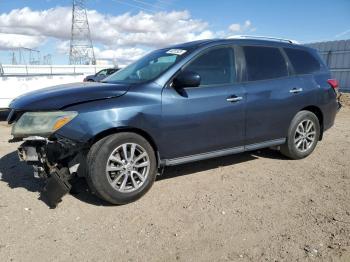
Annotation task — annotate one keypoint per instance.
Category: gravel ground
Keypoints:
(255, 206)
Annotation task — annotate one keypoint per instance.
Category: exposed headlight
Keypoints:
(41, 123)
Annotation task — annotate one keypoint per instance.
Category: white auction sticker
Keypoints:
(176, 51)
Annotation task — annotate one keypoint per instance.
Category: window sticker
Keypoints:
(176, 51)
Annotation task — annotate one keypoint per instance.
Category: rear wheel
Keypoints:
(303, 135)
(121, 167)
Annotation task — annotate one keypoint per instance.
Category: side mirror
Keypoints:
(187, 79)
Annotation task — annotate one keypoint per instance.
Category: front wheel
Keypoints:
(121, 167)
(303, 135)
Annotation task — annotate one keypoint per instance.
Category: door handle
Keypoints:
(295, 90)
(234, 98)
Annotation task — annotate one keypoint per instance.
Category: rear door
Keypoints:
(207, 118)
(314, 75)
(273, 94)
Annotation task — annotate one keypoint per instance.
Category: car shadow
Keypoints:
(203, 165)
(20, 175)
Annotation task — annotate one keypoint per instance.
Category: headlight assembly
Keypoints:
(41, 123)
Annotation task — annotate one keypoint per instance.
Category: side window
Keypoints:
(216, 67)
(302, 61)
(102, 72)
(264, 63)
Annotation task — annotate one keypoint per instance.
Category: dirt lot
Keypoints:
(250, 207)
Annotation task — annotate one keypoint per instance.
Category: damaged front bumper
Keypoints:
(57, 160)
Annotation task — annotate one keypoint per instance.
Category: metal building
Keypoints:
(337, 56)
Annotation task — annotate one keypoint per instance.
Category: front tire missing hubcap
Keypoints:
(121, 167)
(127, 167)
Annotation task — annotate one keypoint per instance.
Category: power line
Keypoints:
(164, 2)
(135, 6)
(148, 4)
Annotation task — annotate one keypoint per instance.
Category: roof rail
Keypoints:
(263, 38)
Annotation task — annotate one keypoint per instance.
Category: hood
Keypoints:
(58, 97)
(89, 76)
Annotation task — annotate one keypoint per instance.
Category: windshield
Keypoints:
(148, 67)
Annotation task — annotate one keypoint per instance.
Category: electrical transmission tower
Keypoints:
(81, 50)
(25, 55)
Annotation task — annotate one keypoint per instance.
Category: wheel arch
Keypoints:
(138, 131)
(317, 111)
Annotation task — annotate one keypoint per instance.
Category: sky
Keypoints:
(124, 30)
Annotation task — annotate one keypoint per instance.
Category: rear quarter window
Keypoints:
(303, 62)
(264, 63)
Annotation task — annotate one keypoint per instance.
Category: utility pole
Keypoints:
(47, 59)
(81, 49)
(14, 60)
(34, 55)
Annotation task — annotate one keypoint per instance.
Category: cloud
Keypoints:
(241, 28)
(123, 38)
(121, 56)
(63, 47)
(54, 22)
(342, 33)
(235, 27)
(10, 41)
(152, 30)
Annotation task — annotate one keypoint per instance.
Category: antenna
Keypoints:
(81, 49)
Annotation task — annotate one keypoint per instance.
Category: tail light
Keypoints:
(333, 83)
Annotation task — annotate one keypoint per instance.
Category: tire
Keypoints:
(294, 147)
(117, 178)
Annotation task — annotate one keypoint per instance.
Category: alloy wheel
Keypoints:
(128, 167)
(305, 135)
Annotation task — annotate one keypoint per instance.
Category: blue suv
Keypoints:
(185, 103)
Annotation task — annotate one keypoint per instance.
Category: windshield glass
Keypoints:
(148, 67)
